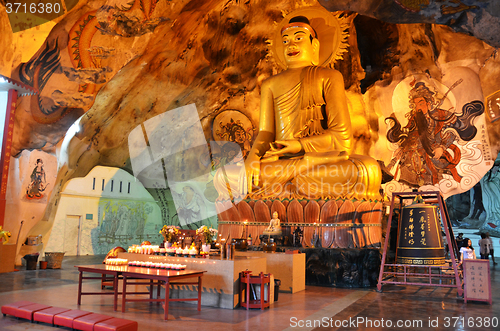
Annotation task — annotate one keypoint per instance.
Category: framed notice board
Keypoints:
(477, 281)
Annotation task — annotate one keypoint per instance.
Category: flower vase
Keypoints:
(205, 248)
(168, 244)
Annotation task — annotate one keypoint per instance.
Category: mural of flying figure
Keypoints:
(426, 145)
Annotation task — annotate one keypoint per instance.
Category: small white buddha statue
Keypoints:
(274, 227)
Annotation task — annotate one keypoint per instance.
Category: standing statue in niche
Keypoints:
(298, 234)
(38, 181)
(303, 148)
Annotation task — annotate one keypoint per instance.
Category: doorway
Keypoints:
(72, 231)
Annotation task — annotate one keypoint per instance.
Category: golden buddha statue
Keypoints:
(303, 148)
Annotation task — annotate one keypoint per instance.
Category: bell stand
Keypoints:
(393, 277)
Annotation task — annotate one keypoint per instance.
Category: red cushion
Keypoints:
(26, 312)
(47, 315)
(66, 318)
(12, 307)
(117, 324)
(86, 323)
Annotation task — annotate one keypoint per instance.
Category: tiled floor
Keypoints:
(314, 308)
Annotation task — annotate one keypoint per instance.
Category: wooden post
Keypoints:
(6, 147)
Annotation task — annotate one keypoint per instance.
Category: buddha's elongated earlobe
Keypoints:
(315, 46)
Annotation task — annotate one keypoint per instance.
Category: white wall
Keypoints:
(116, 217)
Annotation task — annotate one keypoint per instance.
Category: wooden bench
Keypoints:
(71, 318)
(27, 312)
(47, 315)
(87, 322)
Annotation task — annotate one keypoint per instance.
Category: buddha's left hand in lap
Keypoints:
(284, 147)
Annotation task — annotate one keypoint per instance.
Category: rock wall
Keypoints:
(114, 65)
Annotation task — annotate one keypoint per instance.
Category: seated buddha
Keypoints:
(274, 227)
(303, 148)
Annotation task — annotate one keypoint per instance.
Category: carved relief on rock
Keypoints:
(233, 132)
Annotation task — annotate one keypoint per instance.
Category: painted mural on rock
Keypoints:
(75, 63)
(38, 184)
(123, 223)
(193, 70)
(232, 126)
(39, 178)
(437, 137)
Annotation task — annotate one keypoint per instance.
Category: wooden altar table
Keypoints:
(162, 276)
(156, 277)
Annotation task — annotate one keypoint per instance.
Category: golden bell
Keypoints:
(419, 236)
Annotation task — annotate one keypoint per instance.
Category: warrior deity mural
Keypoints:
(429, 144)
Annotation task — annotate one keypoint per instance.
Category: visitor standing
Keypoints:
(467, 251)
(490, 241)
(484, 246)
(460, 240)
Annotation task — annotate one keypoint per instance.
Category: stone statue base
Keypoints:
(342, 267)
(273, 233)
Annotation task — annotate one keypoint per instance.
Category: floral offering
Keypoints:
(170, 233)
(207, 233)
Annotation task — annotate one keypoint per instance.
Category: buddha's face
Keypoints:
(299, 50)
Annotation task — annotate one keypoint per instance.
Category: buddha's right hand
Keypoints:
(249, 174)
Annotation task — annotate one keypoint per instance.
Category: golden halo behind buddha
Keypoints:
(331, 29)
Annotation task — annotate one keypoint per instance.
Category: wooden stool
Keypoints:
(106, 281)
(248, 279)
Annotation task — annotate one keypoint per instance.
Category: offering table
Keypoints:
(220, 282)
(165, 276)
(289, 268)
(153, 277)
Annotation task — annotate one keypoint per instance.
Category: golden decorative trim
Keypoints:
(353, 225)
